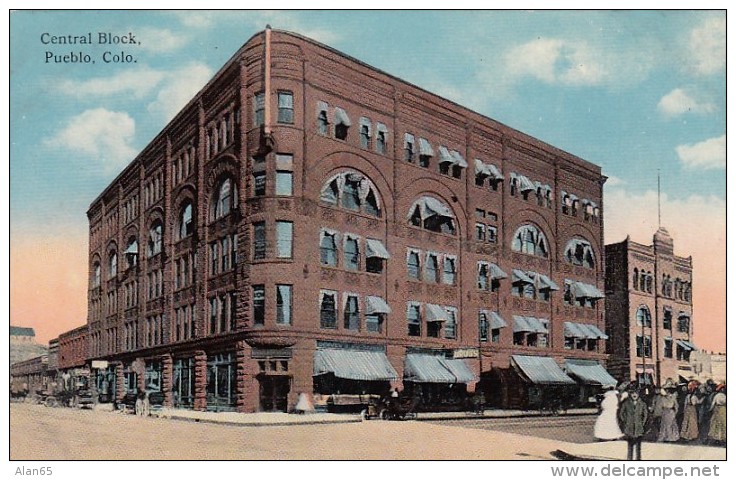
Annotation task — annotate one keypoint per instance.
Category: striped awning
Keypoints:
(435, 313)
(520, 276)
(589, 372)
(376, 249)
(528, 324)
(585, 290)
(354, 364)
(423, 368)
(376, 305)
(459, 160)
(541, 370)
(546, 283)
(685, 344)
(583, 330)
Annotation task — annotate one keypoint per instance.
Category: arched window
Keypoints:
(113, 264)
(96, 271)
(225, 200)
(328, 249)
(353, 191)
(186, 223)
(432, 214)
(528, 239)
(580, 252)
(155, 235)
(643, 317)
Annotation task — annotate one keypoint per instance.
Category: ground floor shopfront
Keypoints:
(270, 375)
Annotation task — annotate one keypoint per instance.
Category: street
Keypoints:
(38, 432)
(566, 428)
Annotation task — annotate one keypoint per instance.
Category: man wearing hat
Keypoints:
(633, 415)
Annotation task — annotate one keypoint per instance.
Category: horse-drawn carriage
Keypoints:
(392, 408)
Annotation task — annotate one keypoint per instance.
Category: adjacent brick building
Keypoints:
(649, 310)
(343, 232)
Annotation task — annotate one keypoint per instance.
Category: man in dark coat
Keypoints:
(632, 416)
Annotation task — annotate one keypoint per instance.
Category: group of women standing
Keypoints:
(693, 412)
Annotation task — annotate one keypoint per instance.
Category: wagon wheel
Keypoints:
(383, 414)
(51, 402)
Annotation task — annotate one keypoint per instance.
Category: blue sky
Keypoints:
(632, 91)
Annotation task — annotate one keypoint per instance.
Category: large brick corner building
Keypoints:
(308, 223)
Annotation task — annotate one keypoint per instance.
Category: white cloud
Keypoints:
(697, 225)
(197, 18)
(709, 154)
(138, 83)
(178, 88)
(678, 102)
(556, 61)
(99, 133)
(159, 40)
(707, 46)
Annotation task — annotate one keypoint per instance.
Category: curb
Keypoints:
(259, 424)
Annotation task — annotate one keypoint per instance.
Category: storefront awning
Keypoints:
(435, 313)
(541, 370)
(354, 364)
(376, 305)
(376, 249)
(589, 372)
(435, 369)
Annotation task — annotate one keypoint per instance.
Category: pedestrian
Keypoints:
(633, 415)
(707, 392)
(689, 429)
(667, 409)
(717, 431)
(606, 426)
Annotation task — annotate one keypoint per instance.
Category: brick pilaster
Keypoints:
(200, 380)
(167, 370)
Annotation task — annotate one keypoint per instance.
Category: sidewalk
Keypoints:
(616, 450)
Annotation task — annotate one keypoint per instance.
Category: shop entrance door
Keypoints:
(274, 391)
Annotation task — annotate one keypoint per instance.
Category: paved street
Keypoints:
(566, 428)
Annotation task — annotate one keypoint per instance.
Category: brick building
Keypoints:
(307, 223)
(649, 310)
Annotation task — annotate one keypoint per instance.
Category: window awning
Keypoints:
(585, 290)
(376, 305)
(584, 330)
(354, 364)
(430, 206)
(425, 148)
(435, 313)
(528, 324)
(589, 372)
(525, 184)
(445, 156)
(480, 168)
(496, 272)
(545, 283)
(376, 249)
(496, 321)
(435, 369)
(342, 117)
(321, 107)
(459, 160)
(685, 344)
(573, 330)
(519, 276)
(541, 370)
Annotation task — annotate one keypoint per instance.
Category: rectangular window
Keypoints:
(284, 184)
(327, 310)
(284, 239)
(414, 320)
(412, 265)
(259, 240)
(259, 304)
(451, 323)
(286, 107)
(322, 122)
(374, 322)
(492, 234)
(448, 273)
(480, 232)
(668, 348)
(482, 327)
(496, 335)
(214, 314)
(352, 254)
(351, 314)
(259, 105)
(259, 184)
(214, 260)
(381, 142)
(283, 304)
(365, 133)
(408, 147)
(225, 254)
(430, 268)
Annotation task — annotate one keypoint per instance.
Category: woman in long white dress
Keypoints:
(606, 426)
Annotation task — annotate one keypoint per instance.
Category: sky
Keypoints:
(636, 92)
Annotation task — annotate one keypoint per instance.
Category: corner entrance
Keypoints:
(274, 392)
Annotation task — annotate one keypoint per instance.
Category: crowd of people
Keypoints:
(691, 412)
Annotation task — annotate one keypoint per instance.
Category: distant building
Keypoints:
(23, 345)
(708, 365)
(649, 310)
